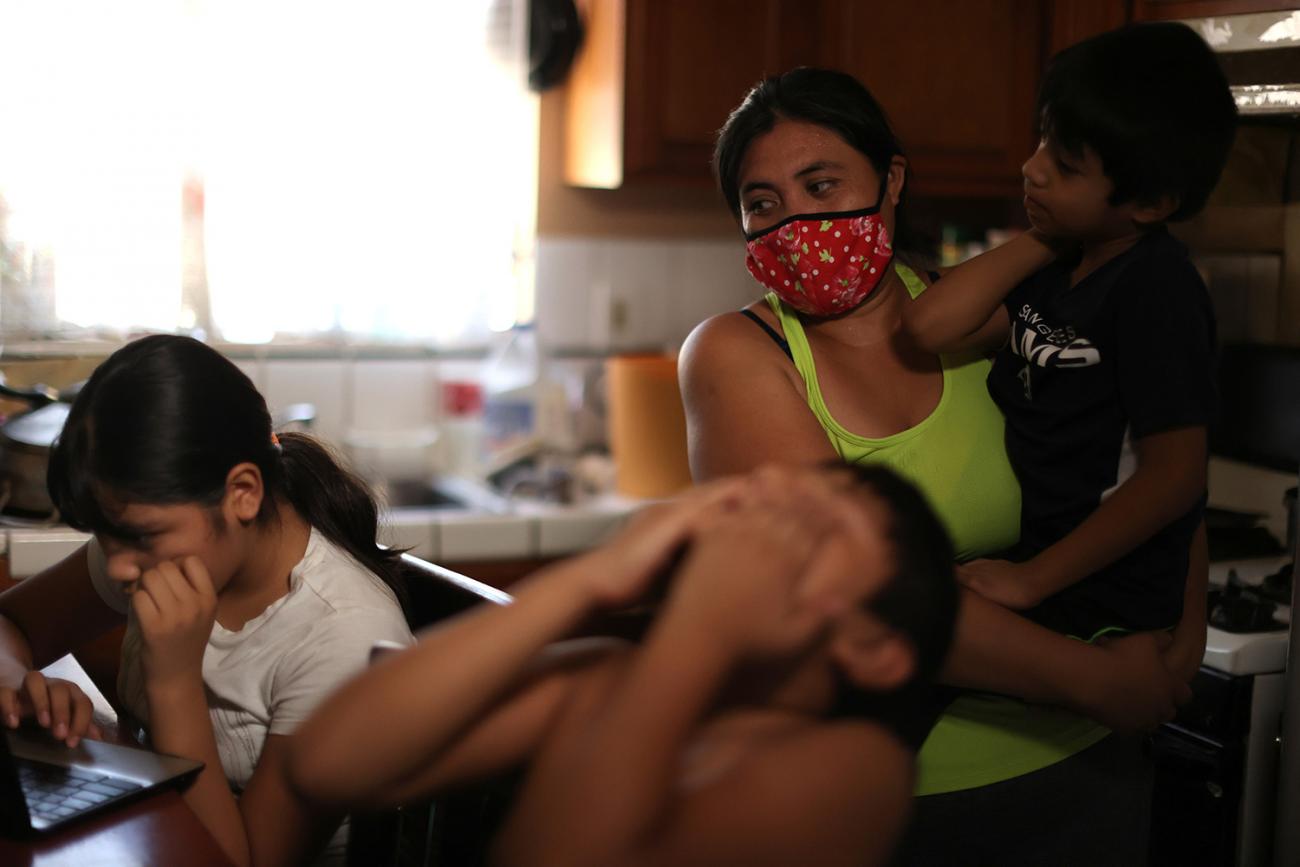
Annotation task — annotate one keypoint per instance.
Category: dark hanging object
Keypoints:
(554, 37)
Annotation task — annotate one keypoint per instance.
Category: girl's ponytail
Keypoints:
(339, 504)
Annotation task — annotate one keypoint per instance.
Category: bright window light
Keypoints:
(356, 170)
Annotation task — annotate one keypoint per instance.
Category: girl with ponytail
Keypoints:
(245, 565)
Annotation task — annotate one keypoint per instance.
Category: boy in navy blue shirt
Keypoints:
(1105, 371)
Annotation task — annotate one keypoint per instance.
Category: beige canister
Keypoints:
(647, 427)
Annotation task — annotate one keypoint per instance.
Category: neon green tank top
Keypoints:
(957, 457)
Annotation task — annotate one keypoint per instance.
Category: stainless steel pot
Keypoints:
(25, 441)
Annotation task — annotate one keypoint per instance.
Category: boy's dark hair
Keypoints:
(920, 598)
(1153, 103)
(835, 100)
(163, 420)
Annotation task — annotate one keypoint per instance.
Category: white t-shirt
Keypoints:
(270, 675)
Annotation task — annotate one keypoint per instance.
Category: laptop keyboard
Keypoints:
(55, 793)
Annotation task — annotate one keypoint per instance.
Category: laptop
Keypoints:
(45, 785)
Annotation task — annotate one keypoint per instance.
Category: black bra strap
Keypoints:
(771, 332)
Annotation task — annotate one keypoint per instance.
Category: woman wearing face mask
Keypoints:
(246, 570)
(819, 368)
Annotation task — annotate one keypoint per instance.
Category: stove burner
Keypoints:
(1241, 609)
(1277, 587)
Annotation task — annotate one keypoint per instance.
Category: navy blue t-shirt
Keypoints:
(1089, 369)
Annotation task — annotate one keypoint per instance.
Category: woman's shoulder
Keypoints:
(733, 339)
(734, 327)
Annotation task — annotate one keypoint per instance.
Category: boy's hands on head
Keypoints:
(741, 580)
(620, 573)
(57, 705)
(175, 605)
(1009, 584)
(768, 575)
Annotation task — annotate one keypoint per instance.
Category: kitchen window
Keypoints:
(263, 170)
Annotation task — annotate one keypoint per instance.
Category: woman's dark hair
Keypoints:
(164, 419)
(1153, 103)
(920, 599)
(835, 100)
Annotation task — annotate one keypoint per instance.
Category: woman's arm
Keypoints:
(963, 309)
(41, 618)
(1117, 683)
(744, 407)
(1125, 684)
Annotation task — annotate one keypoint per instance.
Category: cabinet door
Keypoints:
(1070, 21)
(689, 63)
(957, 80)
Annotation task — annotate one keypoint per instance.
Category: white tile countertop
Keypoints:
(439, 535)
(526, 530)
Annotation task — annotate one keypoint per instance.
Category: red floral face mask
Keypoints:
(823, 264)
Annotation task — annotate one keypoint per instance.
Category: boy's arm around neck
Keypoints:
(963, 309)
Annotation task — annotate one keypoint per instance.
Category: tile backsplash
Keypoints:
(363, 404)
(595, 296)
(615, 295)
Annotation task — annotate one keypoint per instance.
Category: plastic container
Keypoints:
(510, 392)
(460, 441)
(647, 426)
(526, 411)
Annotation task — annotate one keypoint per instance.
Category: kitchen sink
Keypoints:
(444, 493)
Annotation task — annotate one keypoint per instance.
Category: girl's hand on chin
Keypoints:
(175, 606)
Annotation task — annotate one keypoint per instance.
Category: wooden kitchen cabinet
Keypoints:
(958, 81)
(1070, 21)
(657, 78)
